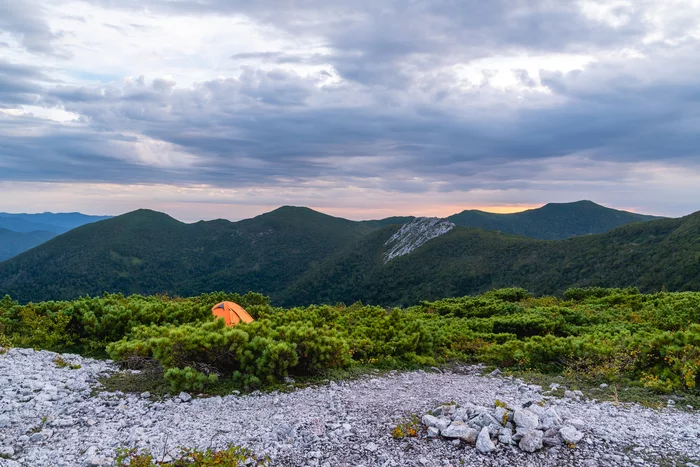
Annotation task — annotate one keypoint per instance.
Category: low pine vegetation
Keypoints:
(231, 456)
(649, 342)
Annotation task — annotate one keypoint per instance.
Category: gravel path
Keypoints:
(48, 418)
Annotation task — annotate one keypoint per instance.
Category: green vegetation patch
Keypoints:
(621, 337)
(232, 456)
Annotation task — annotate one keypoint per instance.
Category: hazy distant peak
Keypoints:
(414, 234)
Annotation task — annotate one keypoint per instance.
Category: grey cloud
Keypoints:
(20, 84)
(24, 20)
(381, 122)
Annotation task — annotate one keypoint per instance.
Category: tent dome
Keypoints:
(232, 313)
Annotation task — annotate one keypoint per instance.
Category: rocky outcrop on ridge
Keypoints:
(414, 234)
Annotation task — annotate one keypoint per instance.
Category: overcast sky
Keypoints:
(363, 108)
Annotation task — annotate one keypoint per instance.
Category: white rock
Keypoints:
(550, 419)
(7, 451)
(460, 431)
(571, 434)
(505, 436)
(414, 234)
(525, 419)
(531, 441)
(576, 423)
(483, 442)
(429, 420)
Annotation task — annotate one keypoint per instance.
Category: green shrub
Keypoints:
(189, 379)
(232, 456)
(595, 334)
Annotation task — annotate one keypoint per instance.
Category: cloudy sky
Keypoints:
(364, 109)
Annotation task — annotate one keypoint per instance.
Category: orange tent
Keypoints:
(232, 313)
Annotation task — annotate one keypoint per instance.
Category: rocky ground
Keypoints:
(49, 417)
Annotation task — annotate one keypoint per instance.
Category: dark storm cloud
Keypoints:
(393, 117)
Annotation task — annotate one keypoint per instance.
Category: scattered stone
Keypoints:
(96, 461)
(429, 420)
(327, 425)
(145, 395)
(525, 419)
(571, 434)
(483, 442)
(531, 441)
(496, 372)
(501, 414)
(603, 386)
(460, 431)
(460, 414)
(184, 397)
(7, 451)
(551, 442)
(550, 419)
(505, 436)
(576, 423)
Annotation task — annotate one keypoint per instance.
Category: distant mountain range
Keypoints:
(13, 243)
(57, 223)
(300, 256)
(21, 232)
(553, 221)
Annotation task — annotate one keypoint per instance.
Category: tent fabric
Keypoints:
(232, 313)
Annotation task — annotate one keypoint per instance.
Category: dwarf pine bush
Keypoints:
(594, 334)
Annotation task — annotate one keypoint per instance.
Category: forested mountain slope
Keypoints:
(651, 256)
(150, 252)
(300, 256)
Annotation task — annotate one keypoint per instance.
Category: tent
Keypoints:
(232, 313)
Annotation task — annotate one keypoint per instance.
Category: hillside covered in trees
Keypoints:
(299, 256)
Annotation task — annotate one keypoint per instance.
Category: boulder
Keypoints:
(571, 434)
(505, 436)
(576, 423)
(550, 419)
(459, 430)
(484, 419)
(551, 442)
(523, 418)
(531, 441)
(429, 420)
(460, 414)
(502, 415)
(483, 441)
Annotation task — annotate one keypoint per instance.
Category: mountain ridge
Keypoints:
(148, 252)
(553, 221)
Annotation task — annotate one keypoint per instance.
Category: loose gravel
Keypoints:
(50, 417)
